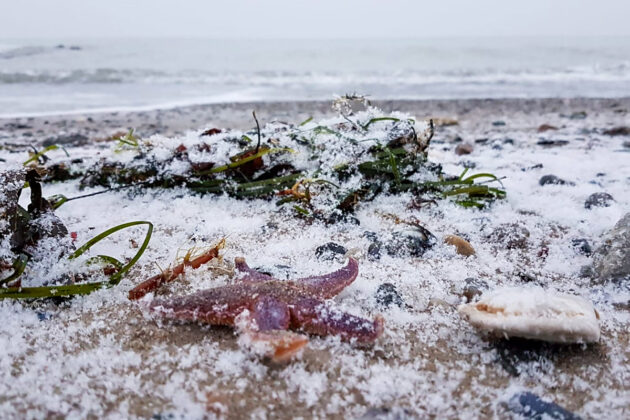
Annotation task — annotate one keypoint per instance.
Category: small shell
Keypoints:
(534, 313)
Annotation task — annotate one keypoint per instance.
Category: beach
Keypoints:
(103, 356)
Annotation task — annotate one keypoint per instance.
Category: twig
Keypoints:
(258, 129)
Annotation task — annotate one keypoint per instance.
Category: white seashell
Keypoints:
(536, 314)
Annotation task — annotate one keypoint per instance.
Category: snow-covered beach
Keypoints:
(103, 356)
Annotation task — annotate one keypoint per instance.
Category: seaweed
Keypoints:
(385, 152)
(25, 232)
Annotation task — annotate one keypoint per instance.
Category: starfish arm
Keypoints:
(329, 285)
(250, 275)
(314, 317)
(218, 306)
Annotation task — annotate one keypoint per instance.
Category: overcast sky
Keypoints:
(311, 19)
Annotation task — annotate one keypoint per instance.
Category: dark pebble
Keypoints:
(582, 246)
(531, 406)
(508, 141)
(469, 164)
(482, 140)
(342, 217)
(553, 180)
(374, 251)
(413, 242)
(600, 199)
(626, 144)
(551, 143)
(536, 166)
(386, 413)
(330, 251)
(473, 288)
(43, 316)
(387, 295)
(371, 236)
(498, 123)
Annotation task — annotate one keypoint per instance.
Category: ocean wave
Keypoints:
(616, 73)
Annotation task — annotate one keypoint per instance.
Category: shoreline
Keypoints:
(84, 127)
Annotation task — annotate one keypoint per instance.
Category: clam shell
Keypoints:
(534, 313)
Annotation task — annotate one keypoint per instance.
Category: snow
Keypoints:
(101, 355)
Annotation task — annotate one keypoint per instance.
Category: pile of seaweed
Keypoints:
(318, 171)
(322, 169)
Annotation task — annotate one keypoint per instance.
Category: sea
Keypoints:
(65, 76)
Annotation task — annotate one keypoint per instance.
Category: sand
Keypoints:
(102, 356)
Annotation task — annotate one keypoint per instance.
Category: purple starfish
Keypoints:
(265, 308)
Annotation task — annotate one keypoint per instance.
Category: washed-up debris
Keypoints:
(34, 241)
(263, 309)
(320, 170)
(534, 313)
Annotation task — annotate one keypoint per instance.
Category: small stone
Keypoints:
(43, 316)
(498, 123)
(534, 313)
(546, 127)
(611, 261)
(462, 246)
(553, 180)
(386, 413)
(508, 141)
(552, 143)
(374, 251)
(618, 131)
(536, 166)
(582, 246)
(414, 242)
(483, 140)
(342, 217)
(330, 251)
(473, 288)
(599, 199)
(580, 115)
(387, 295)
(463, 149)
(512, 235)
(531, 406)
(626, 144)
